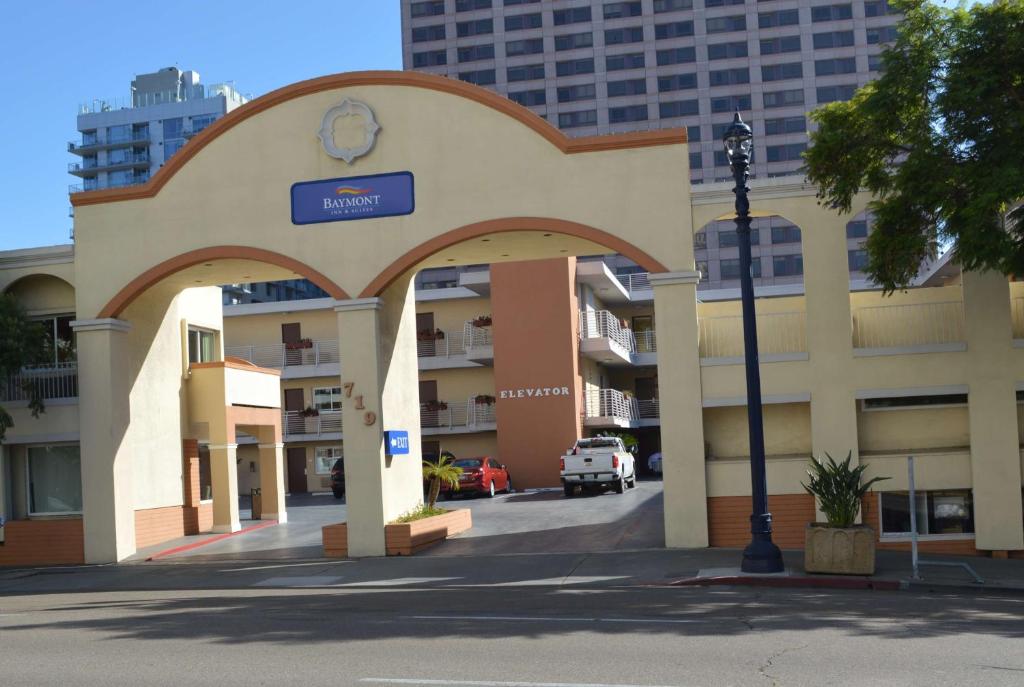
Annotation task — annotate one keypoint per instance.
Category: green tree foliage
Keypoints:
(21, 343)
(440, 472)
(937, 140)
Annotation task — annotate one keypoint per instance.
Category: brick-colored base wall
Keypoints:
(960, 547)
(729, 519)
(156, 525)
(198, 519)
(43, 542)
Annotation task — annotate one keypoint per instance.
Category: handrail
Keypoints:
(722, 336)
(47, 381)
(603, 324)
(609, 403)
(899, 326)
(297, 422)
(281, 356)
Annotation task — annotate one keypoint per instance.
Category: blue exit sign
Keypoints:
(396, 442)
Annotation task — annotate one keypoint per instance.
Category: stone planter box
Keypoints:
(403, 539)
(849, 551)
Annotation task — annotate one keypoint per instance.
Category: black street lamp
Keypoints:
(761, 554)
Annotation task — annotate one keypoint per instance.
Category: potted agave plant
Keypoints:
(839, 545)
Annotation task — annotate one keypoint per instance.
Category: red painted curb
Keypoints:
(211, 540)
(790, 582)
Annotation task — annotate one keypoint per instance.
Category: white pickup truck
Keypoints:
(598, 462)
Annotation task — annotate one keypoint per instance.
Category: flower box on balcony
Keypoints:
(482, 400)
(310, 412)
(482, 321)
(298, 345)
(402, 538)
(428, 335)
(435, 405)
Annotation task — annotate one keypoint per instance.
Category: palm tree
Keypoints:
(443, 471)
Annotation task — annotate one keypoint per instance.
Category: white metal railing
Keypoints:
(280, 356)
(638, 281)
(648, 408)
(53, 380)
(298, 422)
(899, 326)
(784, 332)
(602, 324)
(609, 403)
(449, 345)
(451, 414)
(646, 342)
(1017, 315)
(473, 336)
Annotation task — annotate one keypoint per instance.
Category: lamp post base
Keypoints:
(762, 556)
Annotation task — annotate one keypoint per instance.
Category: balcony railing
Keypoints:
(281, 356)
(645, 341)
(1017, 313)
(445, 347)
(454, 414)
(295, 422)
(51, 381)
(134, 181)
(638, 281)
(603, 324)
(476, 337)
(777, 334)
(138, 159)
(648, 408)
(138, 137)
(908, 326)
(609, 403)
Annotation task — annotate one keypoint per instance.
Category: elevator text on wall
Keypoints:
(534, 392)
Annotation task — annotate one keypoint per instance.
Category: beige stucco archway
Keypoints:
(502, 185)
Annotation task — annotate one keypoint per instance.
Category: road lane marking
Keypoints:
(490, 683)
(673, 621)
(299, 581)
(285, 565)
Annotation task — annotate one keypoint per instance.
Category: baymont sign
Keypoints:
(534, 392)
(365, 197)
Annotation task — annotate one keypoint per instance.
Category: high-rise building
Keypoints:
(124, 142)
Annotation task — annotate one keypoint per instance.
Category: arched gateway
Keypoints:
(354, 181)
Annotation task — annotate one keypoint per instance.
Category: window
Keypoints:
(857, 229)
(617, 10)
(676, 82)
(833, 39)
(568, 120)
(677, 56)
(784, 98)
(173, 128)
(831, 13)
(422, 34)
(786, 153)
(779, 72)
(122, 133)
(631, 34)
(54, 479)
(510, 3)
(484, 77)
(830, 94)
(729, 77)
(718, 130)
(633, 113)
(170, 148)
(568, 94)
(914, 401)
(676, 29)
(693, 133)
(724, 51)
(949, 512)
(722, 3)
(730, 103)
(877, 8)
(574, 15)
(518, 22)
(426, 9)
(875, 63)
(473, 53)
(571, 67)
(700, 240)
(767, 20)
(857, 259)
(628, 87)
(696, 163)
(841, 65)
(527, 72)
(702, 268)
(477, 27)
(529, 98)
(730, 239)
(788, 265)
(327, 398)
(730, 269)
(787, 233)
(530, 46)
(774, 46)
(679, 108)
(614, 63)
(723, 24)
(324, 458)
(468, 5)
(883, 34)
(433, 58)
(672, 5)
(571, 41)
(202, 345)
(785, 125)
(201, 122)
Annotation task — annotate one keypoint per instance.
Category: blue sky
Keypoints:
(57, 54)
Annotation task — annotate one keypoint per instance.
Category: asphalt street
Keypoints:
(509, 636)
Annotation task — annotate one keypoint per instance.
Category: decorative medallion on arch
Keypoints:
(348, 130)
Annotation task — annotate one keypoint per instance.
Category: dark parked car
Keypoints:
(480, 476)
(338, 478)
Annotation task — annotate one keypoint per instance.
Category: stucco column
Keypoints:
(681, 409)
(380, 391)
(992, 409)
(829, 333)
(108, 509)
(224, 476)
(271, 457)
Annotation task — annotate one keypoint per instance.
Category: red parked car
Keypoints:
(480, 476)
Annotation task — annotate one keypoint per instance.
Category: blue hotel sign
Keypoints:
(396, 442)
(338, 200)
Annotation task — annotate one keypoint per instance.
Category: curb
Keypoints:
(210, 540)
(804, 582)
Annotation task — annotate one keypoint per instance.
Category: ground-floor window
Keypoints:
(54, 480)
(947, 512)
(325, 456)
(205, 476)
